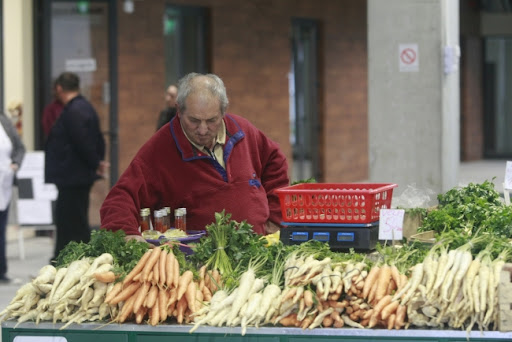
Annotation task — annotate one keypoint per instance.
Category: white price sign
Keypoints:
(508, 175)
(391, 223)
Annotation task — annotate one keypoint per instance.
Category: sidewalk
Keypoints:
(38, 250)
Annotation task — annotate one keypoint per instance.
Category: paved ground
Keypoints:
(38, 250)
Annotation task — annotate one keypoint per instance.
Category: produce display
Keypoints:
(236, 278)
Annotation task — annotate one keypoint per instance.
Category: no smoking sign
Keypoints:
(408, 58)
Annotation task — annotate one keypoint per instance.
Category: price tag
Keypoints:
(391, 222)
(508, 175)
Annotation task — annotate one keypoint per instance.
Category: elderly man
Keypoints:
(204, 160)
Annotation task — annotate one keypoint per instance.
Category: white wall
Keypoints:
(413, 122)
(18, 62)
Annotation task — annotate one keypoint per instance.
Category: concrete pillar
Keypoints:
(19, 63)
(413, 104)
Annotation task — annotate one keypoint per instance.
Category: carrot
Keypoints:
(127, 309)
(391, 286)
(151, 261)
(202, 273)
(391, 321)
(114, 292)
(400, 316)
(137, 277)
(173, 294)
(105, 277)
(126, 293)
(190, 295)
(154, 314)
(141, 295)
(169, 269)
(382, 282)
(184, 281)
(389, 309)
(156, 272)
(162, 305)
(381, 304)
(289, 321)
(180, 309)
(308, 298)
(163, 266)
(152, 295)
(138, 268)
(306, 322)
(176, 276)
(139, 315)
(207, 295)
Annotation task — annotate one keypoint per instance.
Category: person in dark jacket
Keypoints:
(74, 161)
(12, 152)
(168, 113)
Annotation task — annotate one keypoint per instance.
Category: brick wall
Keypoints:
(472, 139)
(251, 52)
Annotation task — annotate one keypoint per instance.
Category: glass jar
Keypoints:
(145, 220)
(184, 215)
(159, 221)
(167, 217)
(178, 220)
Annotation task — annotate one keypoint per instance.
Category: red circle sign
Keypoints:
(408, 56)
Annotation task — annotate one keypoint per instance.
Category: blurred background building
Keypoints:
(352, 90)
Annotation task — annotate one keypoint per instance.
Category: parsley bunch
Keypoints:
(126, 254)
(228, 245)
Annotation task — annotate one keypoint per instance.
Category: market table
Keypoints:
(30, 332)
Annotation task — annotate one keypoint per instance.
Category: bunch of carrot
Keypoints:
(157, 289)
(68, 294)
(337, 294)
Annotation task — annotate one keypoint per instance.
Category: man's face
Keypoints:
(202, 119)
(170, 96)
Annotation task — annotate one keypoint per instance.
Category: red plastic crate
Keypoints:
(334, 202)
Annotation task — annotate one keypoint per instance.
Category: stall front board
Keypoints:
(46, 332)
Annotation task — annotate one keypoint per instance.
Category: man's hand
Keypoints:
(14, 167)
(138, 238)
(271, 227)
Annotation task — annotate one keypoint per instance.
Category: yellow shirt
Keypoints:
(218, 146)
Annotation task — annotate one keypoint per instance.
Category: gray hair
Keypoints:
(211, 83)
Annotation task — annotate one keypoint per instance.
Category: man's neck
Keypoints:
(69, 96)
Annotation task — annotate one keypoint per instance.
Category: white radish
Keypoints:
(46, 275)
(75, 270)
(246, 282)
(270, 294)
(61, 272)
(465, 262)
(251, 311)
(414, 282)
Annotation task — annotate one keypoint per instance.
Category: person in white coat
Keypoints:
(12, 152)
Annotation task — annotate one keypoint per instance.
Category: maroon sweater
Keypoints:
(169, 171)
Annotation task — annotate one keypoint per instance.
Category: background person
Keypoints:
(206, 161)
(168, 113)
(50, 113)
(12, 152)
(73, 161)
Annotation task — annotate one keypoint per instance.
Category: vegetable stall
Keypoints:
(239, 285)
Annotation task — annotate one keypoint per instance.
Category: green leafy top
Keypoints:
(126, 254)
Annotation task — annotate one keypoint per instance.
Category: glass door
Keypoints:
(78, 36)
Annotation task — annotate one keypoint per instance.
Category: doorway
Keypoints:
(498, 97)
(303, 88)
(80, 37)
